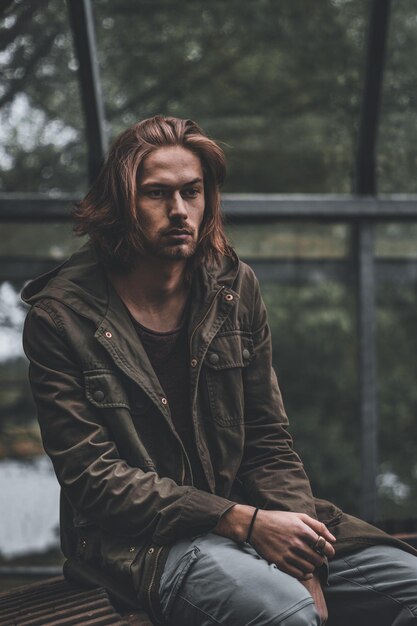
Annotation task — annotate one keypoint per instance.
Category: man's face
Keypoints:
(170, 203)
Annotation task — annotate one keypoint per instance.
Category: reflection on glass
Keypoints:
(397, 136)
(314, 354)
(396, 251)
(290, 241)
(26, 476)
(37, 240)
(397, 371)
(254, 75)
(41, 136)
(396, 241)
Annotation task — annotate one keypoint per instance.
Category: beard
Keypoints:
(175, 251)
(162, 245)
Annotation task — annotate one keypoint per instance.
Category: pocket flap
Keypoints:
(103, 389)
(228, 351)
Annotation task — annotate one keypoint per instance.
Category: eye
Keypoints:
(156, 193)
(191, 192)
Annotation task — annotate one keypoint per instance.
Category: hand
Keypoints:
(287, 539)
(314, 587)
(280, 537)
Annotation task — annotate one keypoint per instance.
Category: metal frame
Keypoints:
(82, 25)
(364, 241)
(240, 207)
(363, 210)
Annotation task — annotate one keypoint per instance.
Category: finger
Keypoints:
(306, 577)
(310, 538)
(325, 550)
(310, 555)
(293, 571)
(304, 565)
(329, 551)
(318, 527)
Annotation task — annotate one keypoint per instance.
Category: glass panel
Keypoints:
(397, 369)
(38, 240)
(307, 283)
(42, 142)
(396, 240)
(397, 143)
(254, 75)
(314, 355)
(290, 240)
(26, 475)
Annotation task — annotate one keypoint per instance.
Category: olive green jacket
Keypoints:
(126, 480)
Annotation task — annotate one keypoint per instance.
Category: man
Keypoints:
(151, 369)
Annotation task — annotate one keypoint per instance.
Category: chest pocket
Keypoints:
(226, 358)
(103, 389)
(126, 413)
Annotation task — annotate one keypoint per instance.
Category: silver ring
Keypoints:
(319, 545)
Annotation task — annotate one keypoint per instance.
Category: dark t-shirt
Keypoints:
(168, 354)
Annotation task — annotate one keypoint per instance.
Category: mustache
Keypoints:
(178, 231)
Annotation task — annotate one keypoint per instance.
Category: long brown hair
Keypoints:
(108, 212)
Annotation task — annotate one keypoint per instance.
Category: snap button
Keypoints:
(164, 401)
(228, 297)
(83, 543)
(98, 395)
(151, 550)
(193, 362)
(246, 353)
(108, 334)
(213, 358)
(132, 549)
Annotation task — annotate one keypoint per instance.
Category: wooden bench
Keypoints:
(56, 602)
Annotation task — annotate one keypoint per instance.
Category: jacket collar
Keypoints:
(81, 284)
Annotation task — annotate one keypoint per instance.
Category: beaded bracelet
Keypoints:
(251, 526)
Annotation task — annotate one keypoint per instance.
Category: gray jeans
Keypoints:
(212, 580)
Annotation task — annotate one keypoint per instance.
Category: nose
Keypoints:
(177, 207)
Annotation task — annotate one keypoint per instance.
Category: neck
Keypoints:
(154, 291)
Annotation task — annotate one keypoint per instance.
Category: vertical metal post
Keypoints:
(365, 184)
(368, 402)
(82, 26)
(369, 118)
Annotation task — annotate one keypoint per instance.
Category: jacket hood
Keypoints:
(81, 282)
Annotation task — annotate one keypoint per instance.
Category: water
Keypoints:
(29, 507)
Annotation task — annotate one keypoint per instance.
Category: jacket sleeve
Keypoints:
(271, 472)
(100, 485)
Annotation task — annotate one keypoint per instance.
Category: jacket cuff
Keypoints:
(200, 512)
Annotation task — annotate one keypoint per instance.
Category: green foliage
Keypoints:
(278, 82)
(397, 157)
(313, 331)
(397, 349)
(42, 147)
(315, 356)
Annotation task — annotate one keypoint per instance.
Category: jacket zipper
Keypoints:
(155, 567)
(205, 316)
(191, 341)
(184, 454)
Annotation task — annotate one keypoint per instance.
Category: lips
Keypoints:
(177, 232)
